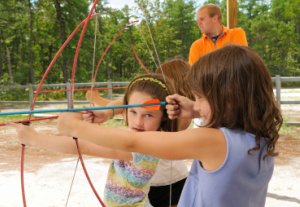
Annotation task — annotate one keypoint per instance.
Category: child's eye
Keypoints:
(132, 111)
(149, 115)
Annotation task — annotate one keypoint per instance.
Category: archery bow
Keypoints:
(85, 22)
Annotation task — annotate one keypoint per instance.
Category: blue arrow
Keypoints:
(81, 109)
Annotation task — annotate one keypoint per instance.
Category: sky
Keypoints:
(119, 4)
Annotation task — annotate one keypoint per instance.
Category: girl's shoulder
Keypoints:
(230, 134)
(242, 141)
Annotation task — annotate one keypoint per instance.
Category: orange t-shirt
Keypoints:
(205, 45)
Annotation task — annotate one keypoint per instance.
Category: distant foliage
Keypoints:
(31, 32)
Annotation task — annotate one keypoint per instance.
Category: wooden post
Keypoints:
(31, 93)
(109, 86)
(232, 11)
(69, 95)
(278, 88)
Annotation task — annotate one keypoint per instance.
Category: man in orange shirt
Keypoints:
(215, 35)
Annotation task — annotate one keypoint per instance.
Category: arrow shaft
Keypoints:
(80, 109)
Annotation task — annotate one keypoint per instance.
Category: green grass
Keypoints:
(4, 119)
(291, 130)
(288, 129)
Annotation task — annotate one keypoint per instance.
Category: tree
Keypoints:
(29, 40)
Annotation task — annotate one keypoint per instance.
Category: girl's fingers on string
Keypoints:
(88, 116)
(173, 111)
(172, 107)
(175, 99)
(171, 99)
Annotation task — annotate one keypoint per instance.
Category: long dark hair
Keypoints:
(239, 89)
(176, 70)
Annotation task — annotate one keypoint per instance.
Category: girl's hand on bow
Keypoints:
(25, 134)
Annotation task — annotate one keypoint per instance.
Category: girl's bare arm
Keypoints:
(65, 144)
(205, 144)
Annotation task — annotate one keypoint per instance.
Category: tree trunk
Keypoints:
(108, 72)
(10, 76)
(31, 56)
(1, 59)
(63, 37)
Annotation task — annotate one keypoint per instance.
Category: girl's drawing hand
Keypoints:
(179, 107)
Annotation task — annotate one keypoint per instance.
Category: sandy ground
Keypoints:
(48, 175)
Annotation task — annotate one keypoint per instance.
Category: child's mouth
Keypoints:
(138, 130)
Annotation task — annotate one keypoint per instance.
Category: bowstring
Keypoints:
(150, 51)
(171, 175)
(73, 178)
(159, 66)
(155, 50)
(72, 85)
(94, 52)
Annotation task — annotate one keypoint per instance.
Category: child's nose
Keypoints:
(139, 121)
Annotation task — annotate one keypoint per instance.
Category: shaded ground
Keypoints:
(289, 149)
(11, 150)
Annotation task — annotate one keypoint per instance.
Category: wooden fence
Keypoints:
(110, 86)
(278, 80)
